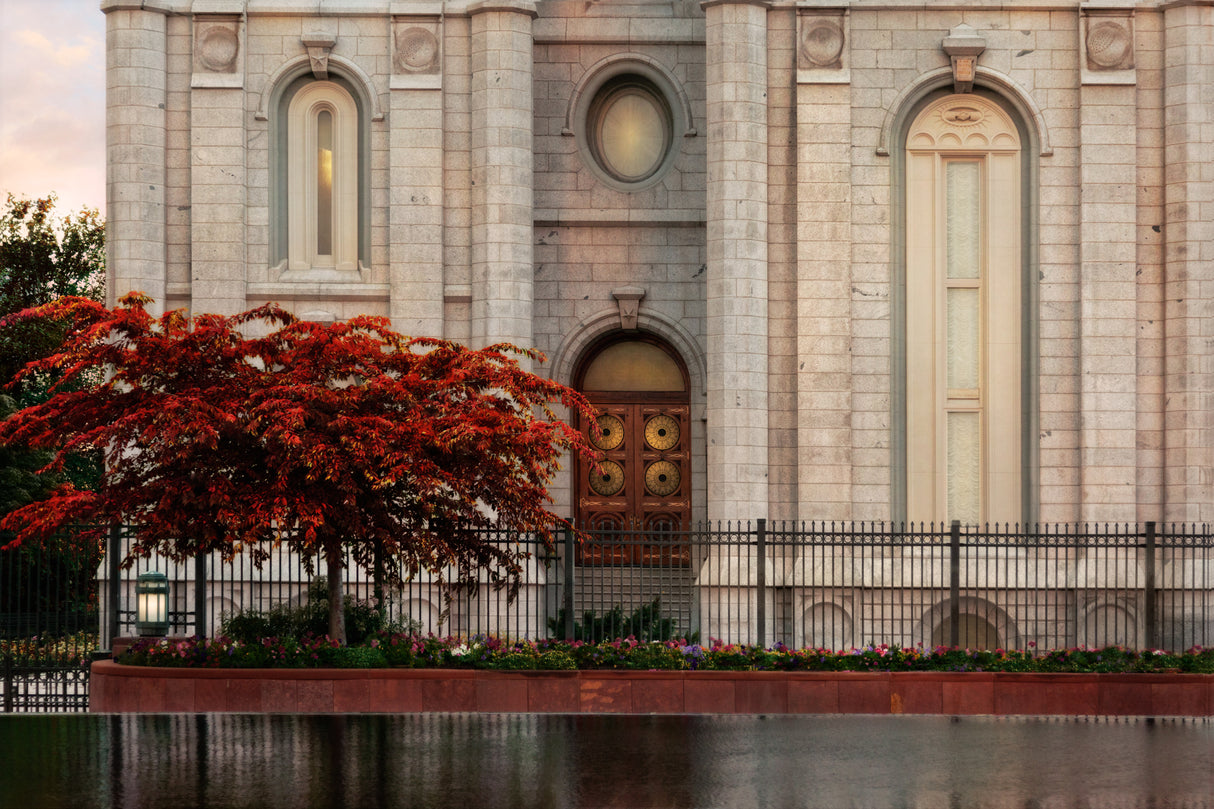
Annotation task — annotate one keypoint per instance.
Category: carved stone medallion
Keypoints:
(217, 46)
(416, 50)
(821, 42)
(1109, 45)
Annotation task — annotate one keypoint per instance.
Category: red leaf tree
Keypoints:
(239, 434)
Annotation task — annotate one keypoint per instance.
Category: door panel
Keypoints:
(642, 487)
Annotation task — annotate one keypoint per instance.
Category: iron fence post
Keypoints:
(8, 683)
(200, 595)
(112, 600)
(954, 584)
(761, 579)
(1152, 633)
(570, 584)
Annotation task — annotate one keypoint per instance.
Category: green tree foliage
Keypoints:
(42, 257)
(336, 440)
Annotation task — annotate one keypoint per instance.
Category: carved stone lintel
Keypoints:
(629, 299)
(964, 45)
(318, 316)
(319, 45)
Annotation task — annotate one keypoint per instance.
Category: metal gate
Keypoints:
(48, 622)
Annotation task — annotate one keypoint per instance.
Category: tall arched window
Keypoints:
(964, 313)
(322, 171)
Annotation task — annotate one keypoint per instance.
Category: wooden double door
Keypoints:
(638, 499)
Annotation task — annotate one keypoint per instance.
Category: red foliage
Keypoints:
(323, 437)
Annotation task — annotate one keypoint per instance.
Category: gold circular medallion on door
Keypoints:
(662, 478)
(608, 480)
(662, 432)
(611, 432)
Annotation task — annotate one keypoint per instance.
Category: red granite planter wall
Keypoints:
(118, 688)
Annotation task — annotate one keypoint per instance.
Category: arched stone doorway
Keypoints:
(642, 488)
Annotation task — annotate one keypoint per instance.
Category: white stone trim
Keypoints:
(986, 77)
(564, 363)
(305, 106)
(288, 70)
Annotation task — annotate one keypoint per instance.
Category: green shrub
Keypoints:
(363, 619)
(645, 623)
(656, 656)
(516, 661)
(353, 657)
(557, 660)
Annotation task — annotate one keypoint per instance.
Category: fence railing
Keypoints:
(48, 623)
(833, 585)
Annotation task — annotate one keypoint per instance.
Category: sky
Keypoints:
(52, 101)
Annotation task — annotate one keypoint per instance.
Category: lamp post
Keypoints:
(152, 604)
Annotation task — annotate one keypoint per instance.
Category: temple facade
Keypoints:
(815, 260)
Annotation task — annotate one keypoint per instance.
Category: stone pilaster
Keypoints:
(824, 281)
(1108, 267)
(1189, 262)
(218, 183)
(736, 34)
(416, 195)
(501, 167)
(135, 100)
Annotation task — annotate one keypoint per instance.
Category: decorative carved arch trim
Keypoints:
(986, 77)
(963, 123)
(301, 65)
(568, 356)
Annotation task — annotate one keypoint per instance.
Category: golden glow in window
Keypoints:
(324, 183)
(629, 129)
(633, 135)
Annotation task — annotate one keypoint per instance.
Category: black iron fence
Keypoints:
(804, 584)
(837, 586)
(48, 623)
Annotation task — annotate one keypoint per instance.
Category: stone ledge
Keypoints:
(116, 688)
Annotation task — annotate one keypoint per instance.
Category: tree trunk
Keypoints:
(334, 570)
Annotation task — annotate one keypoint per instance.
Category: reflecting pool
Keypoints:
(517, 760)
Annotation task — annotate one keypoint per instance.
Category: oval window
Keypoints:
(630, 128)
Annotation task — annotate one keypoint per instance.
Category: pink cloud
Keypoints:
(52, 104)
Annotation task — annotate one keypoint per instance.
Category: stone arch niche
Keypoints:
(980, 625)
(828, 626)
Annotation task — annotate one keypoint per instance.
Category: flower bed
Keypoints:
(405, 673)
(490, 653)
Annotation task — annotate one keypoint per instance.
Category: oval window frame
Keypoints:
(594, 95)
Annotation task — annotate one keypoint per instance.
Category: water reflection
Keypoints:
(441, 760)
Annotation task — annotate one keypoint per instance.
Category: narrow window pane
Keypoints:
(324, 183)
(963, 331)
(962, 216)
(964, 466)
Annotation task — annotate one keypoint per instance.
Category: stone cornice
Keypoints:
(514, 6)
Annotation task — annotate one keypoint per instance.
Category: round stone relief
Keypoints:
(217, 49)
(1109, 45)
(822, 43)
(416, 49)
